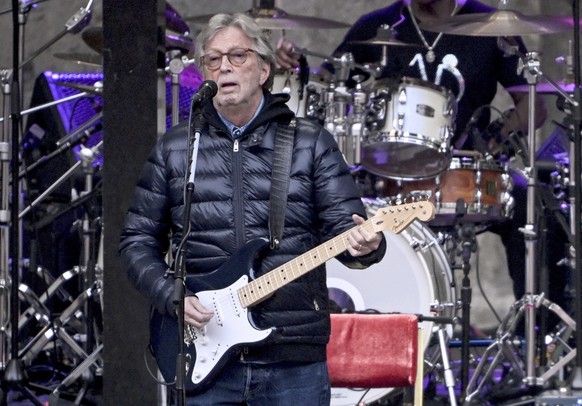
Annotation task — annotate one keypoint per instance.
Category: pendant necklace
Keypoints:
(430, 55)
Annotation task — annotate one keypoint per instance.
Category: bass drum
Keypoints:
(413, 277)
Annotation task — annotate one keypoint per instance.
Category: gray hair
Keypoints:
(250, 28)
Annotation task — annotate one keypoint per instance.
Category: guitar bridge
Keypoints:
(190, 335)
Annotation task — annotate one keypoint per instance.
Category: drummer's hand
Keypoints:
(362, 242)
(195, 313)
(285, 57)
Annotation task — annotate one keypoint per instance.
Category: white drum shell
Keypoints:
(413, 275)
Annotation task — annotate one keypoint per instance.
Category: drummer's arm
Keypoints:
(284, 55)
(516, 119)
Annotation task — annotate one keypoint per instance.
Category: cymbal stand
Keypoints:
(13, 374)
(466, 235)
(528, 305)
(468, 246)
(576, 216)
(337, 98)
(5, 78)
(178, 62)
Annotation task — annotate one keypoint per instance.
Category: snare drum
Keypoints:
(483, 186)
(410, 135)
(413, 277)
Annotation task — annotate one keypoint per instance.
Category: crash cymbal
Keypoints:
(93, 36)
(81, 58)
(497, 24)
(544, 88)
(175, 22)
(277, 19)
(97, 87)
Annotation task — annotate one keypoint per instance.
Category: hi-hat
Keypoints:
(277, 19)
(498, 24)
(81, 58)
(384, 41)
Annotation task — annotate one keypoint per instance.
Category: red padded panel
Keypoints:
(372, 350)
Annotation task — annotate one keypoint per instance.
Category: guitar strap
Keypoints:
(280, 180)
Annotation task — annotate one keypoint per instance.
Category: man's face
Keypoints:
(237, 85)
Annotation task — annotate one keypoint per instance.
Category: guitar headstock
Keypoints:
(396, 218)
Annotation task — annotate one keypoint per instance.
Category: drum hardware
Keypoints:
(79, 372)
(447, 371)
(59, 181)
(413, 277)
(464, 241)
(76, 137)
(86, 91)
(528, 305)
(87, 59)
(416, 127)
(56, 329)
(178, 61)
(55, 288)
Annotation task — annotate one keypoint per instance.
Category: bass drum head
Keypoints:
(413, 275)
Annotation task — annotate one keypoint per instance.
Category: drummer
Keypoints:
(471, 67)
(480, 64)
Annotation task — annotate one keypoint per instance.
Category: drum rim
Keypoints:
(442, 274)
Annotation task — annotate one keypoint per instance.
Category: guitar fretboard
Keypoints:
(392, 218)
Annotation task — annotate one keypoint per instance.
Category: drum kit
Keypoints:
(396, 135)
(62, 304)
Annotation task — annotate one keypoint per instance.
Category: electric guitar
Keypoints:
(231, 290)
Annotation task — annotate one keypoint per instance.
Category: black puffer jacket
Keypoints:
(230, 207)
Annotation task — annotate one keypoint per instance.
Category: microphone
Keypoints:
(33, 137)
(207, 90)
(493, 129)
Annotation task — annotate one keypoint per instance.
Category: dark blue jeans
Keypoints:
(278, 384)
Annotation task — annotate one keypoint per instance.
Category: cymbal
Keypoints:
(93, 36)
(97, 87)
(277, 19)
(81, 58)
(497, 24)
(383, 41)
(175, 22)
(544, 88)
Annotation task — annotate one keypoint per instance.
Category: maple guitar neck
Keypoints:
(390, 218)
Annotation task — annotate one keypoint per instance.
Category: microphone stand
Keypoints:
(183, 359)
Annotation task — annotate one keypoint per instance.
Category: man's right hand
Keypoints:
(285, 57)
(195, 313)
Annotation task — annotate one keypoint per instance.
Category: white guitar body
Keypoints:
(230, 327)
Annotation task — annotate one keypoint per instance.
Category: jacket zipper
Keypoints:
(238, 195)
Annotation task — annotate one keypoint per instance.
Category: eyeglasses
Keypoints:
(236, 57)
